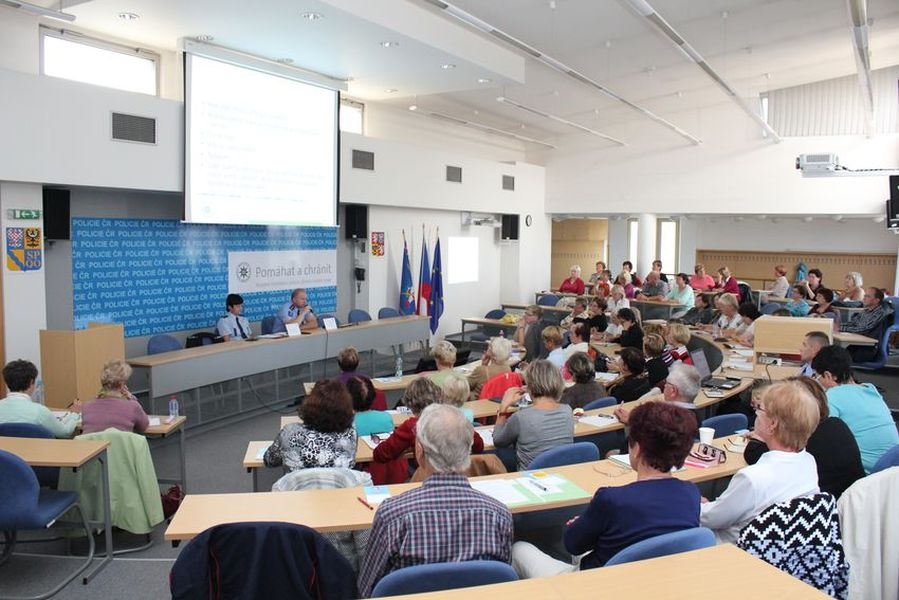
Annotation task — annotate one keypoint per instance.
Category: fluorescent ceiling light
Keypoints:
(482, 127)
(39, 10)
(553, 117)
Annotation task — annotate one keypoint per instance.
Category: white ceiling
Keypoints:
(756, 45)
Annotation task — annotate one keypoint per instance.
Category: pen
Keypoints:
(362, 500)
(538, 485)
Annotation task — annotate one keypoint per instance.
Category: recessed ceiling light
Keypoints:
(484, 80)
(128, 16)
(447, 66)
(389, 44)
(285, 61)
(205, 38)
(413, 107)
(312, 16)
(391, 90)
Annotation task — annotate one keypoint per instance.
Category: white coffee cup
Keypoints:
(706, 434)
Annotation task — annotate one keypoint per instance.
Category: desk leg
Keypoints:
(255, 473)
(181, 447)
(107, 518)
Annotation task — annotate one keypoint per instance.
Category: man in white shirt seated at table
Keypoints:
(444, 520)
(18, 407)
(299, 311)
(681, 388)
(234, 325)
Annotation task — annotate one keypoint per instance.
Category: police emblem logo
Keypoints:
(243, 271)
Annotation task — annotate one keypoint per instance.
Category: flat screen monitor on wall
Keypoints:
(260, 147)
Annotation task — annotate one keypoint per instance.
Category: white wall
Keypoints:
(24, 304)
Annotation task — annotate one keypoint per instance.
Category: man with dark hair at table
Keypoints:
(808, 350)
(18, 407)
(299, 311)
(869, 322)
(234, 325)
(444, 520)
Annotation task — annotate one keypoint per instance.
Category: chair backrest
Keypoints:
(201, 338)
(497, 386)
(548, 300)
(272, 324)
(726, 424)
(46, 476)
(889, 459)
(19, 492)
(357, 315)
(601, 403)
(567, 454)
(745, 292)
(443, 576)
(665, 544)
(496, 313)
(801, 537)
(388, 313)
(162, 343)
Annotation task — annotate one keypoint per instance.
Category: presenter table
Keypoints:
(69, 454)
(192, 368)
(716, 572)
(340, 509)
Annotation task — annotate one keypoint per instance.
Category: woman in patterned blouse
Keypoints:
(325, 437)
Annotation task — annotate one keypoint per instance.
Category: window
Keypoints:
(72, 56)
(633, 227)
(666, 244)
(351, 116)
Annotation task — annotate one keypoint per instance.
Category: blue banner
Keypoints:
(160, 276)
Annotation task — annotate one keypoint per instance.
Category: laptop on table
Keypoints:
(702, 365)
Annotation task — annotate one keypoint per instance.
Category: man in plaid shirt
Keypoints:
(444, 520)
(869, 322)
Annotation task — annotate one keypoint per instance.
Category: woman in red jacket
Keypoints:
(728, 282)
(573, 284)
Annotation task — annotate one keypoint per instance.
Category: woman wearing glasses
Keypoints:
(786, 415)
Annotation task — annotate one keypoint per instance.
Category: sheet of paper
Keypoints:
(486, 434)
(261, 452)
(606, 376)
(599, 420)
(740, 365)
(375, 494)
(503, 490)
(293, 329)
(387, 379)
(154, 421)
(622, 459)
(748, 352)
(541, 486)
(372, 443)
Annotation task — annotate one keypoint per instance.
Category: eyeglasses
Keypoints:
(757, 407)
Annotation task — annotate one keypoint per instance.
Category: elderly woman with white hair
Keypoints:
(729, 318)
(444, 354)
(494, 361)
(573, 284)
(456, 392)
(853, 290)
(115, 405)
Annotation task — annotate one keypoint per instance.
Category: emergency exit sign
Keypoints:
(23, 213)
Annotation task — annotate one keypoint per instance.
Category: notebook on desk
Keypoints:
(702, 365)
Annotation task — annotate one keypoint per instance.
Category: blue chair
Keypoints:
(357, 315)
(443, 576)
(568, 454)
(771, 307)
(601, 403)
(321, 320)
(726, 424)
(23, 505)
(46, 476)
(489, 331)
(548, 300)
(889, 459)
(883, 349)
(665, 544)
(162, 343)
(272, 324)
(388, 313)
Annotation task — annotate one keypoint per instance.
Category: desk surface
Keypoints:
(518, 306)
(341, 510)
(716, 572)
(53, 453)
(854, 339)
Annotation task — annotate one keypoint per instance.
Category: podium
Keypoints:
(71, 361)
(784, 335)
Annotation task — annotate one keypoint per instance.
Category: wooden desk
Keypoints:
(545, 309)
(508, 328)
(69, 454)
(164, 430)
(340, 509)
(853, 339)
(647, 305)
(191, 368)
(716, 572)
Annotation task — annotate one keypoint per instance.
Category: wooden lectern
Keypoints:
(71, 361)
(784, 335)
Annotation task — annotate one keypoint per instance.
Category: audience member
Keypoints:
(702, 313)
(632, 382)
(631, 332)
(456, 392)
(494, 361)
(681, 294)
(552, 341)
(233, 325)
(729, 320)
(680, 389)
(625, 280)
(367, 421)
(811, 283)
(580, 340)
(869, 322)
(832, 444)
(298, 311)
(781, 287)
(728, 282)
(348, 362)
(824, 307)
(444, 354)
(325, 438)
(656, 369)
(603, 285)
(597, 321)
(811, 345)
(596, 275)
(544, 425)
(786, 415)
(853, 290)
(653, 288)
(678, 337)
(578, 311)
(860, 405)
(797, 305)
(573, 284)
(659, 440)
(18, 407)
(701, 281)
(115, 406)
(586, 388)
(468, 524)
(628, 267)
(748, 313)
(657, 268)
(529, 330)
(617, 301)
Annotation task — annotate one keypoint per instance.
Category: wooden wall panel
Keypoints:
(576, 242)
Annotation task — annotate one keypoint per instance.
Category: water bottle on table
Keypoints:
(173, 408)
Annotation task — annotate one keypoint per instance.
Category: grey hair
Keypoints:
(856, 277)
(501, 349)
(544, 379)
(444, 353)
(455, 389)
(421, 393)
(686, 379)
(445, 435)
(729, 299)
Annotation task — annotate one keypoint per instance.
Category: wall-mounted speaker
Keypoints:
(57, 214)
(510, 227)
(132, 128)
(509, 182)
(894, 189)
(454, 174)
(355, 221)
